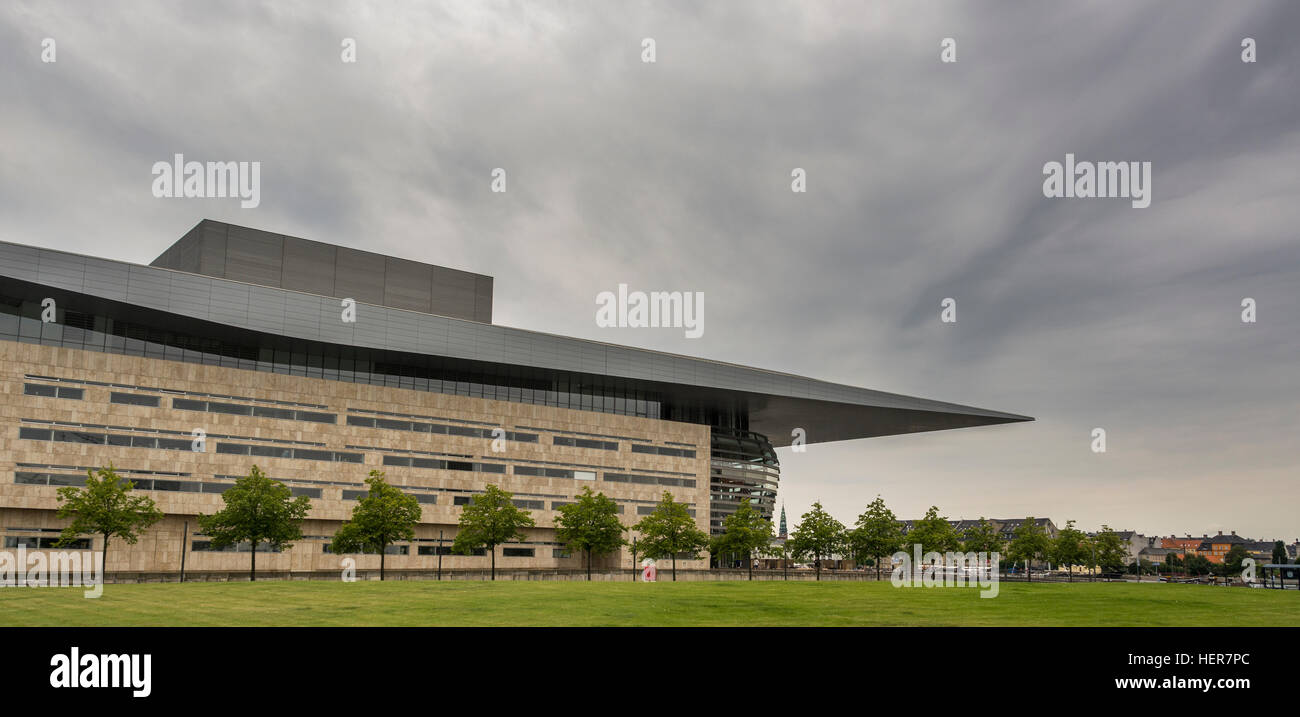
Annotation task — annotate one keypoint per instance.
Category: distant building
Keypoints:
(1005, 527)
(1214, 548)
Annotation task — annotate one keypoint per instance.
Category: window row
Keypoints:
(649, 480)
(205, 546)
(179, 486)
(521, 503)
(445, 465)
(424, 498)
(33, 543)
(235, 409)
(648, 509)
(106, 439)
(155, 389)
(302, 454)
(444, 429)
(664, 451)
(557, 504)
(554, 473)
(586, 443)
(40, 389)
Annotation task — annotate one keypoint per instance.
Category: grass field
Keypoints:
(661, 604)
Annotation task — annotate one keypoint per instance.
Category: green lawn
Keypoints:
(666, 604)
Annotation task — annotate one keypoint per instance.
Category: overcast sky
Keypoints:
(924, 181)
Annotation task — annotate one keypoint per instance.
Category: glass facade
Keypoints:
(744, 469)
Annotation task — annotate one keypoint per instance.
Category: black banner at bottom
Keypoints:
(304, 666)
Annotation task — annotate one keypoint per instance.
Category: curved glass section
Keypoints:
(744, 469)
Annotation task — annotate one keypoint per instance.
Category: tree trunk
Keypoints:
(750, 559)
(383, 551)
(817, 560)
(103, 558)
(877, 559)
(674, 567)
(494, 562)
(1029, 572)
(588, 564)
(252, 571)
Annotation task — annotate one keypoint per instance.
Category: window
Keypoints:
(584, 475)
(517, 552)
(585, 443)
(664, 451)
(133, 399)
(235, 409)
(38, 389)
(34, 543)
(446, 550)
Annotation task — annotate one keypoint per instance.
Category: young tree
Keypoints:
(670, 530)
(1279, 553)
(385, 516)
(1069, 549)
(1173, 562)
(1198, 565)
(490, 520)
(1029, 543)
(1109, 550)
(590, 525)
(258, 510)
(982, 537)
(105, 507)
(745, 532)
(933, 533)
(818, 535)
(876, 535)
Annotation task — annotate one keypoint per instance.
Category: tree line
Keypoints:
(260, 510)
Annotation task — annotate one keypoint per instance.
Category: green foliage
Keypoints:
(745, 532)
(876, 534)
(490, 520)
(385, 516)
(590, 525)
(933, 533)
(669, 531)
(1029, 543)
(258, 509)
(1279, 553)
(983, 537)
(818, 535)
(105, 507)
(1198, 565)
(1069, 549)
(1109, 551)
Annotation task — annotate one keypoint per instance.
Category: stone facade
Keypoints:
(28, 510)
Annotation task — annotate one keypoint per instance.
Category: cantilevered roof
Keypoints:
(777, 402)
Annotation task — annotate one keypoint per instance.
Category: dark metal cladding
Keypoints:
(253, 256)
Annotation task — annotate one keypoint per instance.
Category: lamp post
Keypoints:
(185, 533)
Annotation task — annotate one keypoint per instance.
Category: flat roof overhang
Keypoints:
(777, 403)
